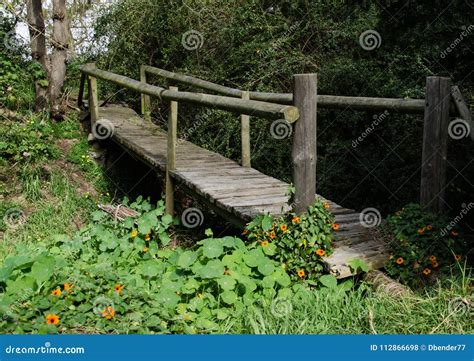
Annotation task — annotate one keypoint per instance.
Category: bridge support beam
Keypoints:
(304, 141)
(144, 98)
(171, 154)
(435, 140)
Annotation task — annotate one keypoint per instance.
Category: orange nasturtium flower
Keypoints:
(454, 233)
(421, 230)
(118, 288)
(435, 264)
(52, 319)
(109, 312)
(429, 227)
(264, 243)
(301, 273)
(457, 257)
(67, 286)
(335, 227)
(246, 231)
(272, 235)
(320, 252)
(426, 271)
(295, 220)
(147, 237)
(432, 258)
(284, 227)
(326, 205)
(400, 260)
(56, 292)
(134, 233)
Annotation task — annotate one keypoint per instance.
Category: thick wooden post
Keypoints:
(171, 154)
(435, 140)
(145, 99)
(245, 134)
(93, 100)
(304, 141)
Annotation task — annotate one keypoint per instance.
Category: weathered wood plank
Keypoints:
(237, 193)
(435, 140)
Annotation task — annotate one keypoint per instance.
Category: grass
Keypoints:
(364, 311)
(54, 203)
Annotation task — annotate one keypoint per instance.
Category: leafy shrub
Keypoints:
(422, 245)
(297, 241)
(115, 277)
(30, 141)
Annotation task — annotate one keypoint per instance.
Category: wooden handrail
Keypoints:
(248, 107)
(416, 106)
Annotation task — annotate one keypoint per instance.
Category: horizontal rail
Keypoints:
(247, 107)
(324, 101)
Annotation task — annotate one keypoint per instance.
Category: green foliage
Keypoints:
(30, 141)
(17, 75)
(116, 277)
(423, 245)
(297, 242)
(259, 45)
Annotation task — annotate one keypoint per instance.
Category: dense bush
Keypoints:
(17, 74)
(297, 241)
(259, 45)
(423, 246)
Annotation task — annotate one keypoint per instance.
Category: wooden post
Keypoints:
(462, 108)
(145, 99)
(435, 139)
(304, 141)
(245, 134)
(93, 100)
(171, 153)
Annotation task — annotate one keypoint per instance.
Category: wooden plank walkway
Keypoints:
(235, 192)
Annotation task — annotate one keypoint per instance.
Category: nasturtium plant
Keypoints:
(298, 242)
(113, 277)
(422, 245)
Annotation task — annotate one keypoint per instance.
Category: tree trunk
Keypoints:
(60, 45)
(38, 49)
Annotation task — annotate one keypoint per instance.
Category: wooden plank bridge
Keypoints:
(236, 191)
